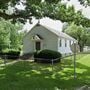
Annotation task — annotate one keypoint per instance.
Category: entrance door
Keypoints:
(38, 45)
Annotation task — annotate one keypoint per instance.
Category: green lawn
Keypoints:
(1, 61)
(5, 61)
(25, 75)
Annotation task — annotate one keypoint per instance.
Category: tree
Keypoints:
(88, 40)
(8, 35)
(88, 37)
(79, 33)
(70, 15)
(50, 8)
(85, 2)
(32, 8)
(14, 36)
(4, 35)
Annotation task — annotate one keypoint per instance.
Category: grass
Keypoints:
(25, 75)
(2, 61)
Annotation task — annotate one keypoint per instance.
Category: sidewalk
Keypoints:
(8, 63)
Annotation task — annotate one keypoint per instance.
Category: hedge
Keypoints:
(10, 54)
(46, 56)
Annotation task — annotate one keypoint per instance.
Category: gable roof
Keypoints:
(60, 34)
(56, 32)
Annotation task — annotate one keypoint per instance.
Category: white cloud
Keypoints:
(55, 24)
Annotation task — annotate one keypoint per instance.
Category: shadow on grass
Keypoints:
(25, 75)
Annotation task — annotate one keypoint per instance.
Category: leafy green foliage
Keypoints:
(4, 35)
(88, 37)
(70, 15)
(13, 54)
(10, 54)
(14, 36)
(85, 2)
(50, 8)
(79, 33)
(9, 36)
(52, 1)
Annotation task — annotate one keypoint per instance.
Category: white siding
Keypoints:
(63, 49)
(50, 40)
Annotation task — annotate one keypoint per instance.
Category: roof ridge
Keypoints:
(57, 32)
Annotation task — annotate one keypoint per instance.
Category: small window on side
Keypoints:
(65, 43)
(70, 42)
(60, 43)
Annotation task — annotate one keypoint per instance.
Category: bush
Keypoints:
(11, 54)
(46, 56)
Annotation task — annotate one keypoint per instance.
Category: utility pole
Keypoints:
(52, 65)
(74, 60)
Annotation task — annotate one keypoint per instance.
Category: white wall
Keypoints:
(63, 49)
(50, 40)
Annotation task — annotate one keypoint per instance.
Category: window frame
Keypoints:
(60, 43)
(65, 43)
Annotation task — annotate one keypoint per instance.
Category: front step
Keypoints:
(27, 56)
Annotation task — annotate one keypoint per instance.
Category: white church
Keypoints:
(42, 36)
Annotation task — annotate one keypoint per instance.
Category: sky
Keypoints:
(56, 24)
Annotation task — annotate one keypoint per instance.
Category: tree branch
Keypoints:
(14, 16)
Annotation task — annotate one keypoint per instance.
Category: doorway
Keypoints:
(38, 45)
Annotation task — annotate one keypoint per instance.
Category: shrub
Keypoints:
(11, 54)
(46, 56)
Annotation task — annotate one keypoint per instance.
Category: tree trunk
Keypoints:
(81, 48)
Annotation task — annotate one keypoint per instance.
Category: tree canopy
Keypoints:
(79, 33)
(85, 2)
(41, 8)
(9, 36)
(70, 15)
(88, 37)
